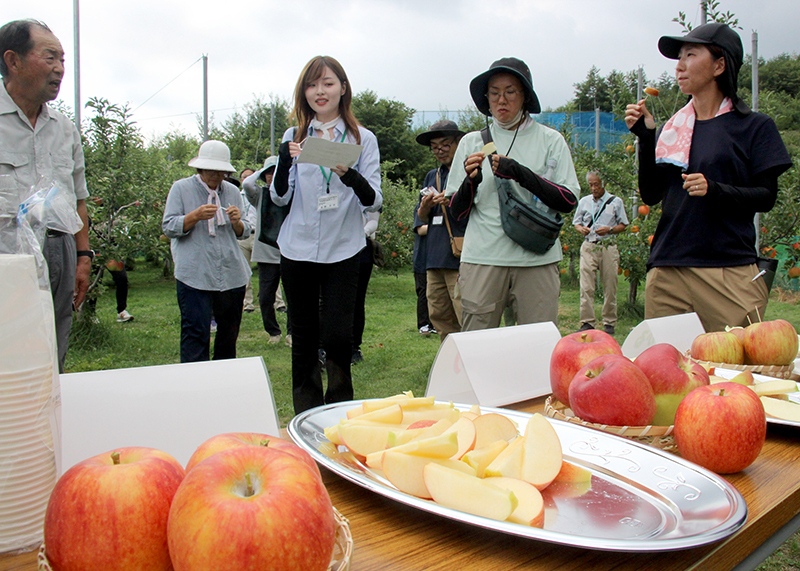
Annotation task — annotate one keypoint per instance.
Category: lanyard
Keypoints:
(330, 172)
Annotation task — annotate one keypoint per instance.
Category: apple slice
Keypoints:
(405, 471)
(572, 473)
(530, 510)
(404, 401)
(783, 409)
(454, 489)
(365, 437)
(391, 414)
(491, 427)
(508, 462)
(442, 446)
(332, 434)
(431, 412)
(465, 429)
(480, 458)
(542, 457)
(774, 387)
(403, 436)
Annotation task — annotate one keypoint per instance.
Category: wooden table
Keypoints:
(393, 537)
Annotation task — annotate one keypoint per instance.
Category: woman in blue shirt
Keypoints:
(323, 233)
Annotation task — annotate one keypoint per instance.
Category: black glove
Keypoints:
(363, 190)
(464, 198)
(281, 178)
(551, 194)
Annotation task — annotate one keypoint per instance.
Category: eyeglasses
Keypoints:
(436, 149)
(509, 95)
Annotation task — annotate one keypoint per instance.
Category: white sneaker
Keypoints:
(124, 316)
(274, 339)
(288, 340)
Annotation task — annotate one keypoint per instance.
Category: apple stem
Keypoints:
(115, 458)
(722, 392)
(264, 442)
(249, 481)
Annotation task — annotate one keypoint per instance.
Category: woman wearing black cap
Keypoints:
(535, 161)
(714, 164)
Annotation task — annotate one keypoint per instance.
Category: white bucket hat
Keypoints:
(213, 156)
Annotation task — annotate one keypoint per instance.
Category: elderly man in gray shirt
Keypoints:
(599, 217)
(39, 145)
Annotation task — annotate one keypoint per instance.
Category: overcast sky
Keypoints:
(421, 52)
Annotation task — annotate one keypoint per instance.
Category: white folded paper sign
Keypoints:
(494, 367)
(677, 330)
(173, 408)
(325, 153)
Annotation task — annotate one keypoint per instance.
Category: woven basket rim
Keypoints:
(777, 371)
(340, 561)
(556, 409)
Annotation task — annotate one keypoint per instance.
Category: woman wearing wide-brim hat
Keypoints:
(713, 166)
(203, 219)
(535, 160)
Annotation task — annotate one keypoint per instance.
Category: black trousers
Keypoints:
(421, 285)
(197, 306)
(360, 317)
(269, 279)
(322, 299)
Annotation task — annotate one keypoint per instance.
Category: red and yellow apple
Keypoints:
(610, 389)
(770, 343)
(718, 347)
(572, 352)
(672, 376)
(251, 508)
(722, 427)
(111, 511)
(229, 440)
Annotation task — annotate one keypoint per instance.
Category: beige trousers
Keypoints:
(719, 296)
(605, 260)
(444, 305)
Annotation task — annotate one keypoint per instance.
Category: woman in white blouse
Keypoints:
(322, 235)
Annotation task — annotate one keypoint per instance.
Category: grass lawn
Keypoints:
(396, 356)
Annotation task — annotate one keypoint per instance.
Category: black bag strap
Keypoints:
(599, 212)
(486, 135)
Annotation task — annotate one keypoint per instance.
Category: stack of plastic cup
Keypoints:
(27, 404)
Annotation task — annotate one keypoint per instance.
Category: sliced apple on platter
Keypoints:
(542, 457)
(783, 409)
(480, 458)
(509, 462)
(530, 509)
(467, 493)
(491, 427)
(405, 471)
(774, 387)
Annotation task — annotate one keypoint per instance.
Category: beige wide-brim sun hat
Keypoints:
(213, 156)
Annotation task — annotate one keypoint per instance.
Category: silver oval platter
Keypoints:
(639, 498)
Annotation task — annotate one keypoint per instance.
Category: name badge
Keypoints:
(328, 202)
(438, 220)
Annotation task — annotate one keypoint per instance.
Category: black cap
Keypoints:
(514, 66)
(713, 34)
(442, 128)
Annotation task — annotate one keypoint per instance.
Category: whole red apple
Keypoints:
(229, 440)
(718, 347)
(672, 376)
(610, 389)
(110, 512)
(770, 343)
(722, 427)
(572, 352)
(738, 331)
(251, 508)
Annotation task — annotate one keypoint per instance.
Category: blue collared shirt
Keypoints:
(327, 236)
(589, 209)
(202, 261)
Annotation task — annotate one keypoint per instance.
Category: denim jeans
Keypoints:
(197, 308)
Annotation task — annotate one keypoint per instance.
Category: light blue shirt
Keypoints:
(202, 261)
(589, 209)
(327, 236)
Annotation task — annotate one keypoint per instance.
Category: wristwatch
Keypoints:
(88, 253)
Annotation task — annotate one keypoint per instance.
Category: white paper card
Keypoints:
(173, 408)
(494, 367)
(677, 330)
(325, 153)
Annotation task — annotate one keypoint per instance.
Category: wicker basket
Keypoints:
(777, 371)
(340, 561)
(657, 436)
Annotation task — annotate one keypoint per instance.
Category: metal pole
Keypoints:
(205, 97)
(755, 70)
(77, 41)
(757, 219)
(596, 130)
(272, 129)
